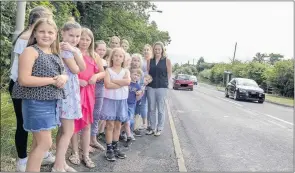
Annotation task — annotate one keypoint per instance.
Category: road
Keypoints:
(215, 134)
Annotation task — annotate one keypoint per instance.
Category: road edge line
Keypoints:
(176, 143)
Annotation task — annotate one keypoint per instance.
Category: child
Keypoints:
(94, 71)
(133, 96)
(100, 48)
(115, 107)
(21, 136)
(41, 77)
(69, 109)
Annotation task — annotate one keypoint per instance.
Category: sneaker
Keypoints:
(21, 166)
(137, 133)
(119, 154)
(158, 133)
(128, 142)
(132, 137)
(150, 132)
(110, 155)
(123, 136)
(141, 127)
(50, 159)
(101, 137)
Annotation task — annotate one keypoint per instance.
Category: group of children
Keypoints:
(82, 86)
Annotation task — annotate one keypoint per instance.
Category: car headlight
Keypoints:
(242, 90)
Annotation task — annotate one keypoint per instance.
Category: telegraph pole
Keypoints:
(20, 23)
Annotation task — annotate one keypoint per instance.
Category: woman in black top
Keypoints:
(160, 69)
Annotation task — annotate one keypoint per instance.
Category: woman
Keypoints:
(160, 69)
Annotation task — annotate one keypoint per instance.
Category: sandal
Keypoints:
(98, 146)
(75, 159)
(88, 162)
(69, 169)
(54, 170)
(91, 149)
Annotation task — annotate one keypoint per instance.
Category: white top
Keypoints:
(19, 47)
(120, 93)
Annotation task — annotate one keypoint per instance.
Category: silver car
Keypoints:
(194, 79)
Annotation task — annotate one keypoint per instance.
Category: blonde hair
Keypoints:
(71, 24)
(55, 45)
(137, 55)
(136, 70)
(125, 41)
(97, 43)
(148, 76)
(114, 38)
(114, 50)
(91, 47)
(159, 43)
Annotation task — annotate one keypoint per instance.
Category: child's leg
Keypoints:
(43, 143)
(62, 145)
(116, 135)
(109, 139)
(86, 146)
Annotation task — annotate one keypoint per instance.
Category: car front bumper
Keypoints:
(183, 86)
(251, 96)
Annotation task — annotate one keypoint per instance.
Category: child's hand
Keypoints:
(61, 80)
(92, 80)
(138, 93)
(67, 46)
(83, 83)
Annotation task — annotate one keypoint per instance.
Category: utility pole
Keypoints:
(235, 53)
(20, 23)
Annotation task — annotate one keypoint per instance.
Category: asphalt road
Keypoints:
(221, 134)
(215, 134)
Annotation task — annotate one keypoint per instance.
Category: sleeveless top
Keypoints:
(19, 47)
(159, 73)
(46, 65)
(120, 93)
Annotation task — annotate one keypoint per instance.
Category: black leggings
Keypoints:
(21, 136)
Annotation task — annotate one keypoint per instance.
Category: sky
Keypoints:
(211, 29)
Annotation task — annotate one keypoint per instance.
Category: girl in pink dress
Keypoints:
(94, 71)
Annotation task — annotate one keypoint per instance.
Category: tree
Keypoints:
(275, 57)
(259, 57)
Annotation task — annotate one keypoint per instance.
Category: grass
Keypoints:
(8, 127)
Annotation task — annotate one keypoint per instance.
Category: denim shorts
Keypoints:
(39, 115)
(142, 106)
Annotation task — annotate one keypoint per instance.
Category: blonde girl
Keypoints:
(125, 46)
(21, 136)
(115, 108)
(69, 109)
(114, 42)
(40, 83)
(87, 79)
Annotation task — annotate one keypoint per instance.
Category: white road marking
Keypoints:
(227, 100)
(177, 148)
(278, 119)
(277, 124)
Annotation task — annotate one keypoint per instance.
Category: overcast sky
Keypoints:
(210, 29)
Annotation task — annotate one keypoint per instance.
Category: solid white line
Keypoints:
(230, 101)
(279, 119)
(177, 148)
(277, 124)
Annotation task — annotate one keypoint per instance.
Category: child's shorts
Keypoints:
(131, 111)
(39, 115)
(114, 110)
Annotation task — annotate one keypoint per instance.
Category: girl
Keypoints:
(100, 48)
(115, 108)
(41, 78)
(160, 69)
(21, 136)
(94, 71)
(69, 109)
(125, 46)
(114, 42)
(142, 106)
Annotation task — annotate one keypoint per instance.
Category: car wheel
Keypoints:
(192, 89)
(260, 101)
(236, 95)
(226, 93)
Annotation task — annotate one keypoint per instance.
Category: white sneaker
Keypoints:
(50, 159)
(132, 137)
(21, 167)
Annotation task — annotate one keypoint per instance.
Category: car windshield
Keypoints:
(193, 77)
(247, 82)
(183, 77)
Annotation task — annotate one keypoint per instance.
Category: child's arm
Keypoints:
(101, 74)
(107, 82)
(26, 62)
(125, 81)
(76, 63)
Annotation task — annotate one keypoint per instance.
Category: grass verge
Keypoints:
(8, 127)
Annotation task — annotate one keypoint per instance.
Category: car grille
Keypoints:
(184, 85)
(253, 94)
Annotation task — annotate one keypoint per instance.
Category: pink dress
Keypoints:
(87, 94)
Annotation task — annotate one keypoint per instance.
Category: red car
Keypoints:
(183, 81)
